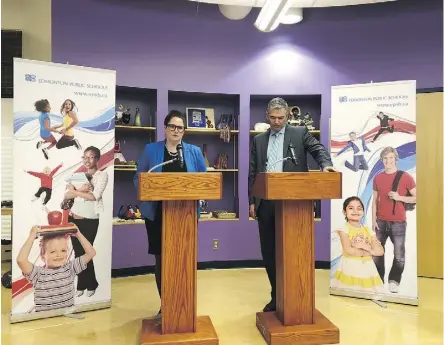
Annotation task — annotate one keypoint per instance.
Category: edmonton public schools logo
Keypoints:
(30, 77)
(342, 99)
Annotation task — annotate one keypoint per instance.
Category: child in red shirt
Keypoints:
(45, 182)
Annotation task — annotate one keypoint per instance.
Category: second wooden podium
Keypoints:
(296, 320)
(179, 193)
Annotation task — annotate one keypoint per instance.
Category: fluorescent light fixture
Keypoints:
(293, 16)
(271, 14)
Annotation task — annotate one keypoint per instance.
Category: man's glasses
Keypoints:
(172, 128)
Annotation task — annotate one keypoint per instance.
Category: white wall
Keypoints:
(33, 17)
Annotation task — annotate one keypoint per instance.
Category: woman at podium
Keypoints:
(169, 155)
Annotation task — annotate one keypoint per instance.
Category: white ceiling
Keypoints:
(295, 3)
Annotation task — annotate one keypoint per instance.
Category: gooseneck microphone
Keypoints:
(294, 157)
(180, 154)
(175, 159)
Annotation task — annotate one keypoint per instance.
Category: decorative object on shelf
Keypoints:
(137, 121)
(226, 124)
(138, 214)
(261, 126)
(126, 116)
(221, 161)
(204, 152)
(222, 214)
(204, 214)
(295, 116)
(203, 204)
(307, 121)
(129, 212)
(118, 155)
(123, 116)
(200, 118)
(6, 203)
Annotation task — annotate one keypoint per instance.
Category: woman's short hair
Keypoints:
(172, 114)
(94, 150)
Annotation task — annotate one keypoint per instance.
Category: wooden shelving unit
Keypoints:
(134, 168)
(142, 222)
(316, 219)
(314, 131)
(207, 131)
(135, 128)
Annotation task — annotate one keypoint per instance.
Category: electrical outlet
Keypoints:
(215, 244)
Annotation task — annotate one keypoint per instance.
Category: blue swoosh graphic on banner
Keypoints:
(101, 123)
(406, 162)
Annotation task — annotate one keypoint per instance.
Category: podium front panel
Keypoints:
(180, 186)
(298, 186)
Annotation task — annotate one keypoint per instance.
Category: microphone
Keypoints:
(180, 154)
(294, 158)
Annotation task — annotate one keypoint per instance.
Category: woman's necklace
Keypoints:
(172, 154)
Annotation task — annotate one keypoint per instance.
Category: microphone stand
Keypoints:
(278, 161)
(162, 164)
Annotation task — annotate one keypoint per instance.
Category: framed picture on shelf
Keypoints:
(200, 118)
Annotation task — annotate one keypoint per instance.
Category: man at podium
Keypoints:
(169, 155)
(282, 148)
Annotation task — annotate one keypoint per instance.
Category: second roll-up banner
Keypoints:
(63, 189)
(373, 228)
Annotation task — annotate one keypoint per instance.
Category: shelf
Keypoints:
(6, 211)
(215, 219)
(135, 128)
(134, 168)
(117, 221)
(142, 222)
(207, 131)
(125, 168)
(222, 170)
(316, 219)
(313, 131)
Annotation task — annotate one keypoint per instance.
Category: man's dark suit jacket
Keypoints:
(301, 139)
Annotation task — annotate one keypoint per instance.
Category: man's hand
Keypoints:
(393, 196)
(375, 227)
(330, 169)
(252, 213)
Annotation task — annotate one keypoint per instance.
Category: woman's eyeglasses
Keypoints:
(172, 128)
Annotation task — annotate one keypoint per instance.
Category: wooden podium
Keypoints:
(296, 321)
(180, 193)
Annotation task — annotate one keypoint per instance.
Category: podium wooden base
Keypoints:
(323, 331)
(205, 334)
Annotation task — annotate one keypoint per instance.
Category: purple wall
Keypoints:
(168, 45)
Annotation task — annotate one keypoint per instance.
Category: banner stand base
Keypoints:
(377, 298)
(55, 313)
(378, 302)
(74, 316)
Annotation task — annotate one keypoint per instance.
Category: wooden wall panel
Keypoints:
(430, 184)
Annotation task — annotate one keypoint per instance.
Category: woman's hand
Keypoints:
(70, 194)
(62, 131)
(87, 187)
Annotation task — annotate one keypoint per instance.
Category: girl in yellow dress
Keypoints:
(356, 269)
(69, 121)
